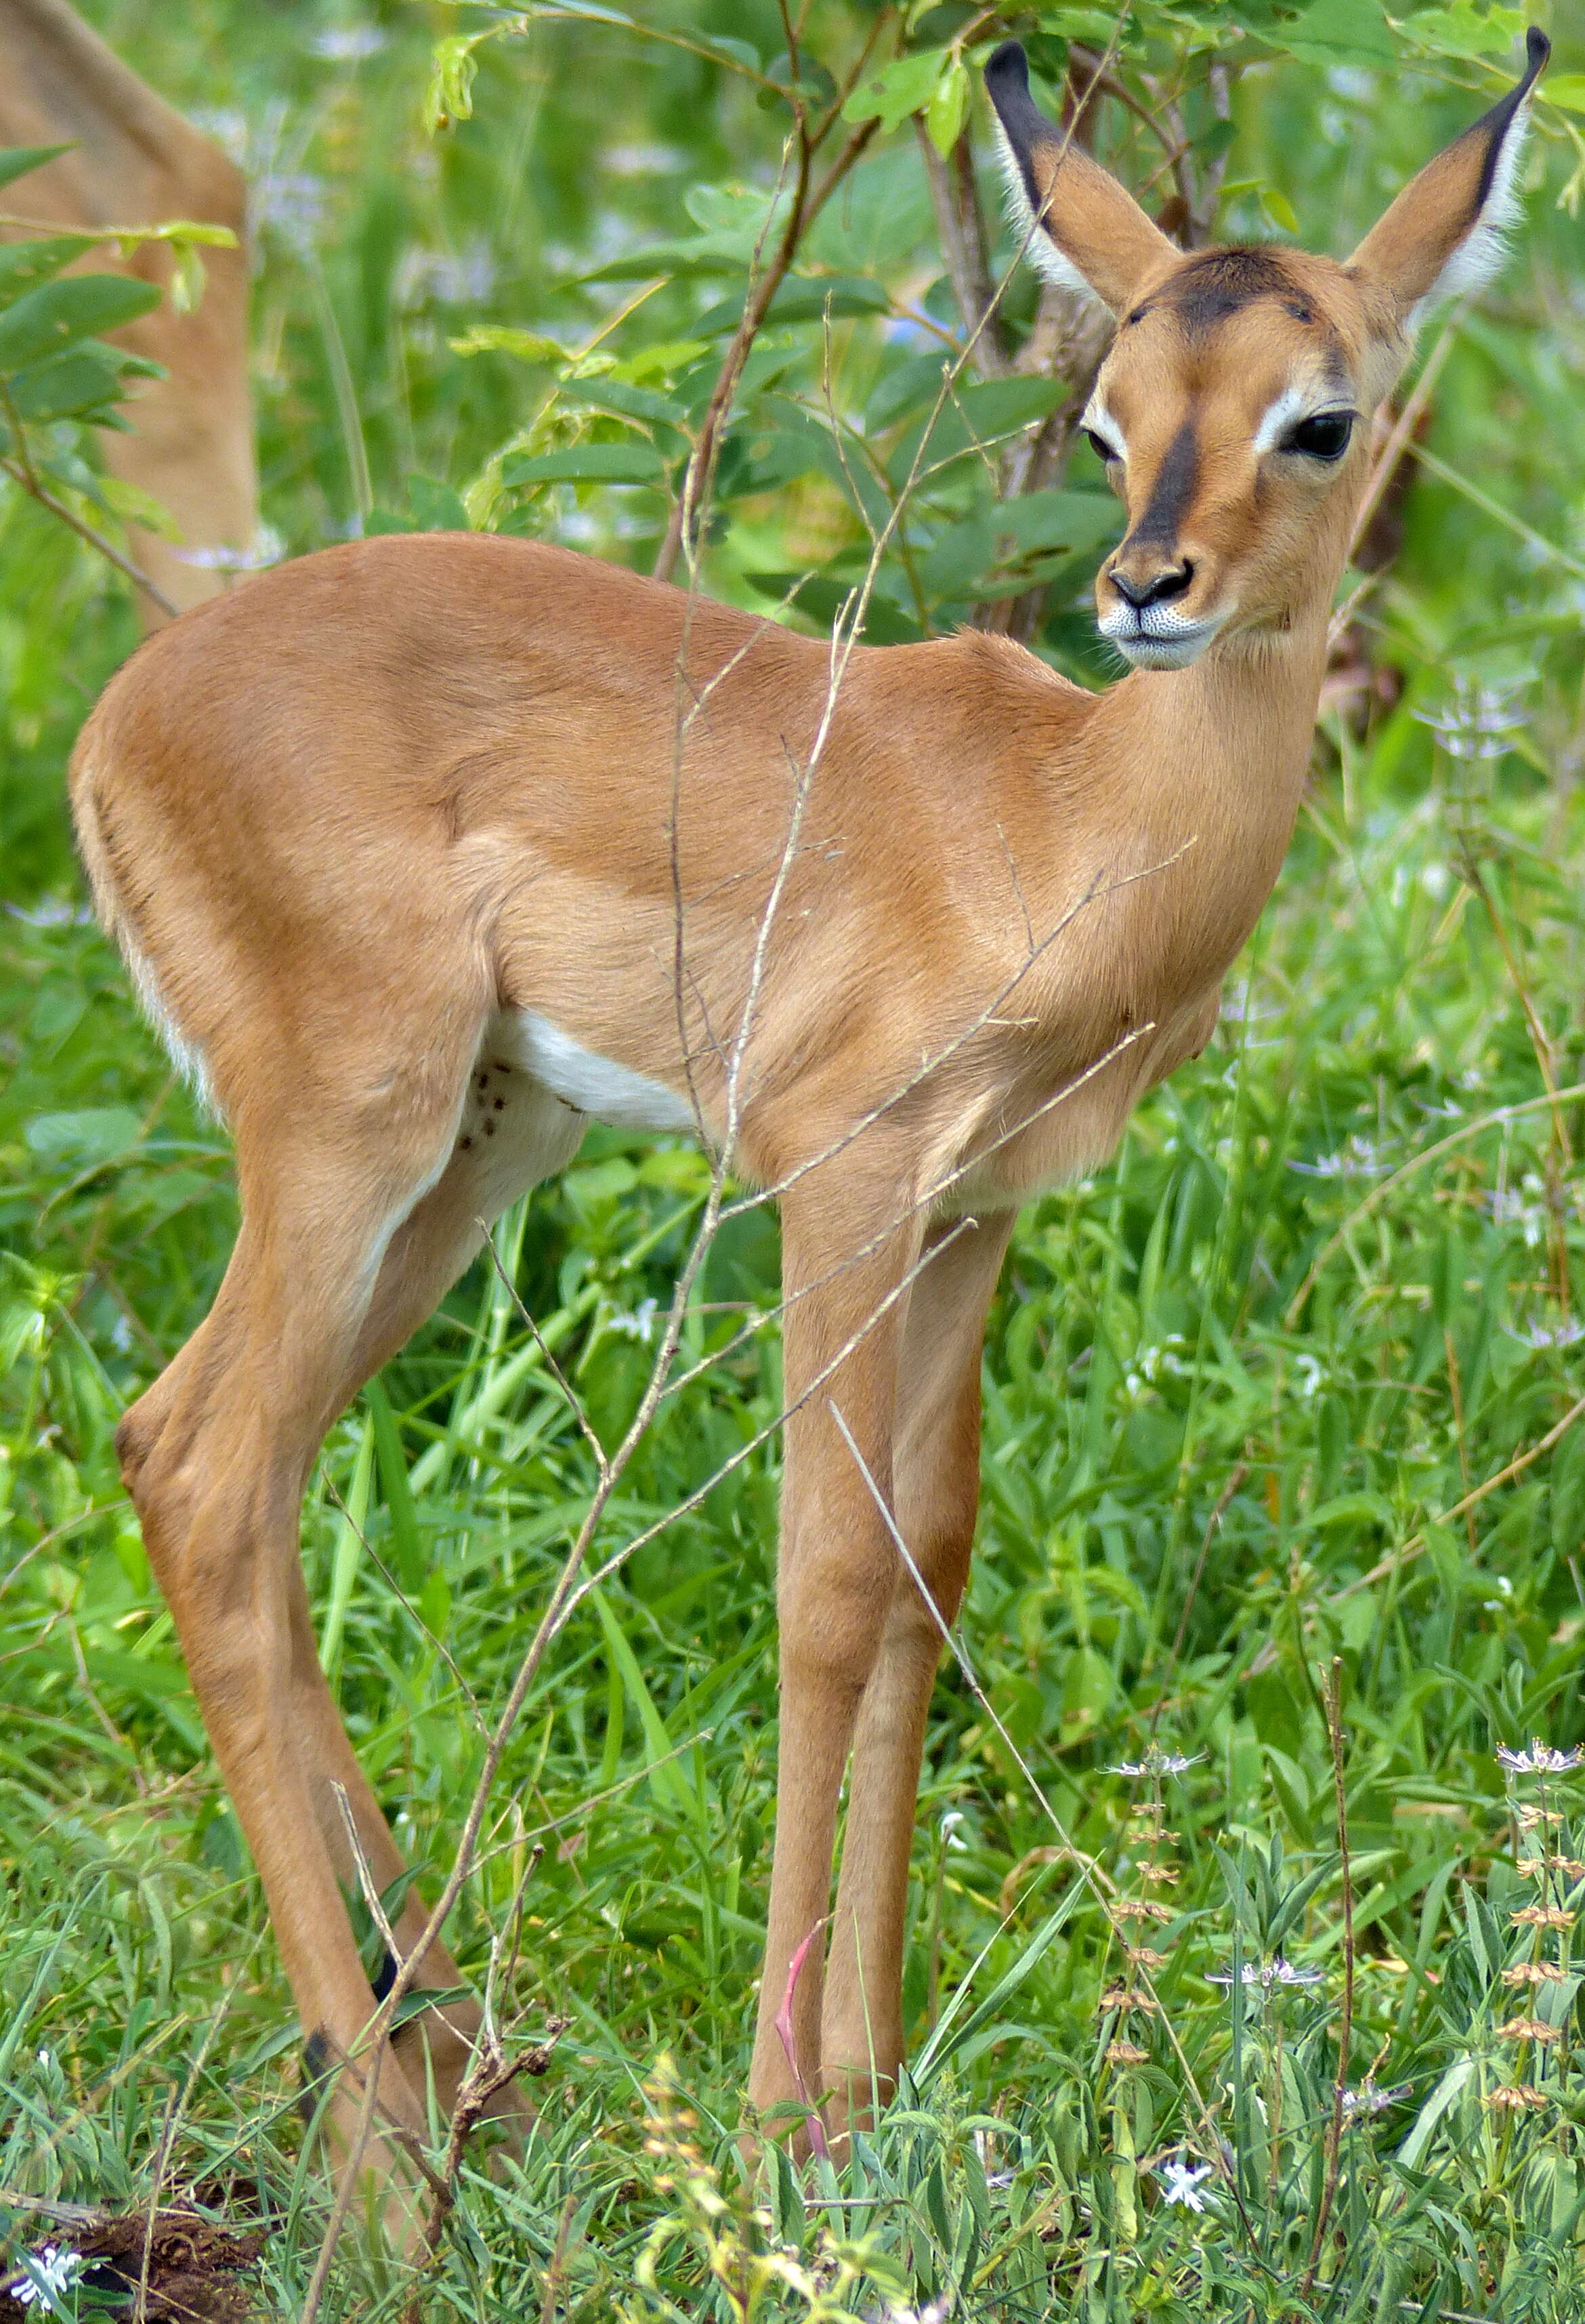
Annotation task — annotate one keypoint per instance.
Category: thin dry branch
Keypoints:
(1100, 1883)
(808, 201)
(30, 483)
(954, 196)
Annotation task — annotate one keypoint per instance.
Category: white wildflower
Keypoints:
(1480, 722)
(641, 160)
(1181, 2184)
(1368, 2099)
(1266, 1974)
(47, 2275)
(1541, 1759)
(1155, 1763)
(637, 1325)
(1561, 1334)
(349, 46)
(290, 203)
(266, 548)
(444, 278)
(1358, 1158)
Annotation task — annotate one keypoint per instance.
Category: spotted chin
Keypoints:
(1160, 650)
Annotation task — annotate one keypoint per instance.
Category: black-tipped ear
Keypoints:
(1444, 233)
(1078, 225)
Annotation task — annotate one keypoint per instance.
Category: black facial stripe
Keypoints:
(1494, 125)
(1171, 493)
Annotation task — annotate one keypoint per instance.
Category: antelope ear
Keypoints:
(1444, 233)
(1091, 236)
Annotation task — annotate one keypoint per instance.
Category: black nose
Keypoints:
(1160, 589)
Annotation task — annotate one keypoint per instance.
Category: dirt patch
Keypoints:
(197, 2271)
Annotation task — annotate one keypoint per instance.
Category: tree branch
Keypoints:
(961, 226)
(807, 205)
(29, 484)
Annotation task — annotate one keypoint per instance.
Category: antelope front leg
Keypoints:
(937, 1495)
(834, 1577)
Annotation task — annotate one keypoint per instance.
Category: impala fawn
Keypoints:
(414, 858)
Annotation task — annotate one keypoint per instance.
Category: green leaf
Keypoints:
(837, 295)
(823, 595)
(95, 1135)
(1337, 32)
(1081, 25)
(678, 261)
(46, 320)
(408, 1557)
(644, 403)
(437, 507)
(667, 1776)
(1279, 209)
(89, 379)
(948, 109)
(24, 263)
(898, 89)
(16, 160)
(996, 407)
(499, 339)
(1567, 89)
(453, 67)
(950, 2035)
(803, 299)
(1446, 2093)
(1458, 31)
(586, 464)
(1057, 520)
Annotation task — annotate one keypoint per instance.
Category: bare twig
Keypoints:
(808, 201)
(1398, 1558)
(1100, 1883)
(86, 531)
(965, 249)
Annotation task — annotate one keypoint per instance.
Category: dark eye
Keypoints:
(1099, 447)
(1324, 438)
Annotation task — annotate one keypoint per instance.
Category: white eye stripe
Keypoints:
(1293, 405)
(1098, 421)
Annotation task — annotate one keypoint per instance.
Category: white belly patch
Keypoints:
(606, 1091)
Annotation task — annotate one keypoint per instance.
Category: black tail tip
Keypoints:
(1537, 51)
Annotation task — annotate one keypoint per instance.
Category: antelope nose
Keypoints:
(1158, 589)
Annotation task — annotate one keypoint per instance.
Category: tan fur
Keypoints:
(136, 162)
(354, 814)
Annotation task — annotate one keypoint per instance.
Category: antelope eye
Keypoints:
(1100, 448)
(1323, 438)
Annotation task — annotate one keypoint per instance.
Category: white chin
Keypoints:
(1146, 650)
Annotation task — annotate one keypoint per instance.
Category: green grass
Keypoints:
(1202, 1493)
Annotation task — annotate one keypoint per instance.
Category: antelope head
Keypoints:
(1233, 408)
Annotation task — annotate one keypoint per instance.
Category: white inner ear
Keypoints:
(1484, 247)
(1033, 241)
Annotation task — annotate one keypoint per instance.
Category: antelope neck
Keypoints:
(1230, 734)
